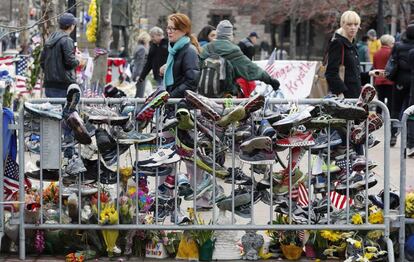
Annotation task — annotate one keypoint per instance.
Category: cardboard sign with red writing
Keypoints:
(295, 77)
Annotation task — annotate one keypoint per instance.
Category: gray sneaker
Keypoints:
(219, 194)
(134, 137)
(261, 142)
(241, 197)
(44, 110)
(75, 166)
(202, 187)
(258, 156)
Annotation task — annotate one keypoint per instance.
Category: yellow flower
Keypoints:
(375, 234)
(376, 218)
(132, 190)
(358, 244)
(357, 219)
(369, 256)
(330, 235)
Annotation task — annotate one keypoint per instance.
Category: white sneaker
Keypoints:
(410, 152)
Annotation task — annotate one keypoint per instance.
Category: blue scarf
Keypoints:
(168, 75)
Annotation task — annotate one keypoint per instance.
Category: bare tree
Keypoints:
(102, 42)
(48, 8)
(23, 21)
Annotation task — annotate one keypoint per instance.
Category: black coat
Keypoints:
(58, 61)
(185, 71)
(400, 54)
(351, 86)
(157, 57)
(247, 48)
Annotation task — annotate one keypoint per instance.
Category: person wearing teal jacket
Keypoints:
(240, 65)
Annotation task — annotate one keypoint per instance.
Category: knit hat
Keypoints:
(224, 29)
(372, 33)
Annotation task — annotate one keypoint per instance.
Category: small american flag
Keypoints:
(339, 201)
(303, 198)
(21, 65)
(11, 178)
(270, 66)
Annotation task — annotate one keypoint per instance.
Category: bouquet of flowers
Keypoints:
(109, 216)
(170, 239)
(144, 200)
(51, 193)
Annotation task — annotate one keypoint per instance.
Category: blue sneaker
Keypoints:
(266, 129)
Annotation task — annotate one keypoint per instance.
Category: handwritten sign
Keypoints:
(155, 250)
(295, 77)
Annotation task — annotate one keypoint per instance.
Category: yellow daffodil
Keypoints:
(109, 216)
(376, 218)
(357, 219)
(331, 235)
(375, 234)
(358, 244)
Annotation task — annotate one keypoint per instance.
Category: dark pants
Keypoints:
(115, 35)
(140, 86)
(400, 99)
(385, 92)
(67, 132)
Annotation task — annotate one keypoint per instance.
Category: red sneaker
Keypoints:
(297, 139)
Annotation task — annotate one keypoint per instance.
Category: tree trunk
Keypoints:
(292, 37)
(48, 8)
(380, 18)
(62, 6)
(272, 36)
(24, 21)
(394, 18)
(137, 12)
(307, 40)
(102, 41)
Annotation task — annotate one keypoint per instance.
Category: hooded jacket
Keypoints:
(58, 61)
(241, 65)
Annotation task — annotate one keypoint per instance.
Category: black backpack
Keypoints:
(212, 81)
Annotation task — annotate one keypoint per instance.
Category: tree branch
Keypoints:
(39, 22)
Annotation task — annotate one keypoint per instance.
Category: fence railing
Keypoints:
(257, 221)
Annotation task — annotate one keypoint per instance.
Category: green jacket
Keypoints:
(241, 66)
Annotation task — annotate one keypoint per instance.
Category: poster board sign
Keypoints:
(51, 151)
(296, 77)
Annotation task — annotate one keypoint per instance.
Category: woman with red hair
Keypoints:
(182, 67)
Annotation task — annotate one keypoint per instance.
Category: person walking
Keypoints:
(157, 56)
(59, 58)
(206, 35)
(373, 44)
(383, 85)
(400, 74)
(182, 67)
(242, 66)
(247, 45)
(139, 60)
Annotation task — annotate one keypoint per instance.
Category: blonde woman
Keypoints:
(138, 61)
(342, 51)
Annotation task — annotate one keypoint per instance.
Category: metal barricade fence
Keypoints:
(252, 225)
(403, 221)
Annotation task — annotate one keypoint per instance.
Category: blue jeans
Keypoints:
(67, 132)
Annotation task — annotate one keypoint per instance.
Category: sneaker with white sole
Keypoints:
(161, 157)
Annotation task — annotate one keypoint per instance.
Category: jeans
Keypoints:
(67, 132)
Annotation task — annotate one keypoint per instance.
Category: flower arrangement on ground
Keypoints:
(109, 216)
